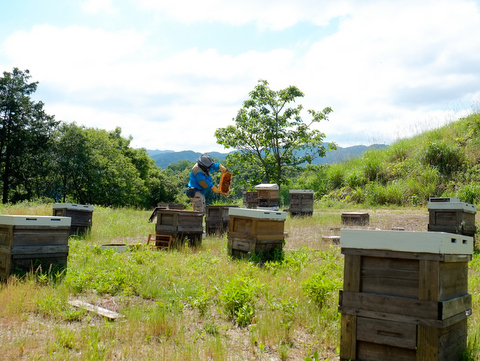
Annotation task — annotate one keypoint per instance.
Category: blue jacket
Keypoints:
(199, 180)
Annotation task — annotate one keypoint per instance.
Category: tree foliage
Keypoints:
(271, 135)
(95, 166)
(25, 135)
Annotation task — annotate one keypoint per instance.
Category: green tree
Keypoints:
(271, 136)
(25, 138)
(95, 166)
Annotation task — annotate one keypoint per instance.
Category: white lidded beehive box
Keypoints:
(451, 215)
(31, 242)
(255, 230)
(81, 215)
(404, 294)
(268, 194)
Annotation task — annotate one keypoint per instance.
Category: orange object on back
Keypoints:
(225, 181)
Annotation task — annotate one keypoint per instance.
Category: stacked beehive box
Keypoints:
(217, 219)
(301, 202)
(250, 199)
(267, 195)
(451, 215)
(80, 214)
(180, 225)
(28, 243)
(405, 295)
(254, 231)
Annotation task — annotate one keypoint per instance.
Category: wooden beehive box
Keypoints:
(250, 199)
(80, 214)
(30, 242)
(255, 231)
(301, 202)
(267, 195)
(180, 224)
(178, 206)
(405, 295)
(217, 219)
(451, 215)
(355, 219)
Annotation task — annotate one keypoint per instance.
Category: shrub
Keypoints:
(378, 194)
(238, 297)
(443, 156)
(319, 287)
(335, 176)
(469, 193)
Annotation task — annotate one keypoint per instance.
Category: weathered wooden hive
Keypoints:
(267, 195)
(81, 215)
(30, 243)
(301, 202)
(181, 225)
(451, 215)
(355, 219)
(254, 231)
(170, 205)
(405, 295)
(217, 219)
(250, 199)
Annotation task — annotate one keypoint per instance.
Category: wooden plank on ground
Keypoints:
(112, 315)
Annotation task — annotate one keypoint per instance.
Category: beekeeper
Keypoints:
(200, 181)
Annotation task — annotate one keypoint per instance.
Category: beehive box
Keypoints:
(81, 216)
(405, 295)
(301, 202)
(178, 206)
(30, 242)
(181, 225)
(255, 231)
(217, 219)
(451, 215)
(267, 195)
(355, 219)
(250, 199)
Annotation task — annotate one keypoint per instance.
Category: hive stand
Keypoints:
(160, 241)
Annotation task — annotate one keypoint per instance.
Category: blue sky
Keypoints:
(171, 73)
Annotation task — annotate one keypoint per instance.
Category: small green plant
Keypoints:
(314, 357)
(238, 297)
(211, 328)
(319, 287)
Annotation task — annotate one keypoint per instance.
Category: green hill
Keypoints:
(441, 162)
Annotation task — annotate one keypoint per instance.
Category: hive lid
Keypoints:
(301, 191)
(23, 220)
(257, 213)
(451, 203)
(74, 206)
(268, 186)
(407, 241)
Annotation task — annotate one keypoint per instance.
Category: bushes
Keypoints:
(443, 156)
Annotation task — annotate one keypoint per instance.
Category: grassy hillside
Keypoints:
(440, 162)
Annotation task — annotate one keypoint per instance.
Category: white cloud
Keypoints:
(391, 68)
(271, 14)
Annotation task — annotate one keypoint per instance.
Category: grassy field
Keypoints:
(190, 304)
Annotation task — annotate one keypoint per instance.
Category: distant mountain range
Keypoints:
(165, 157)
